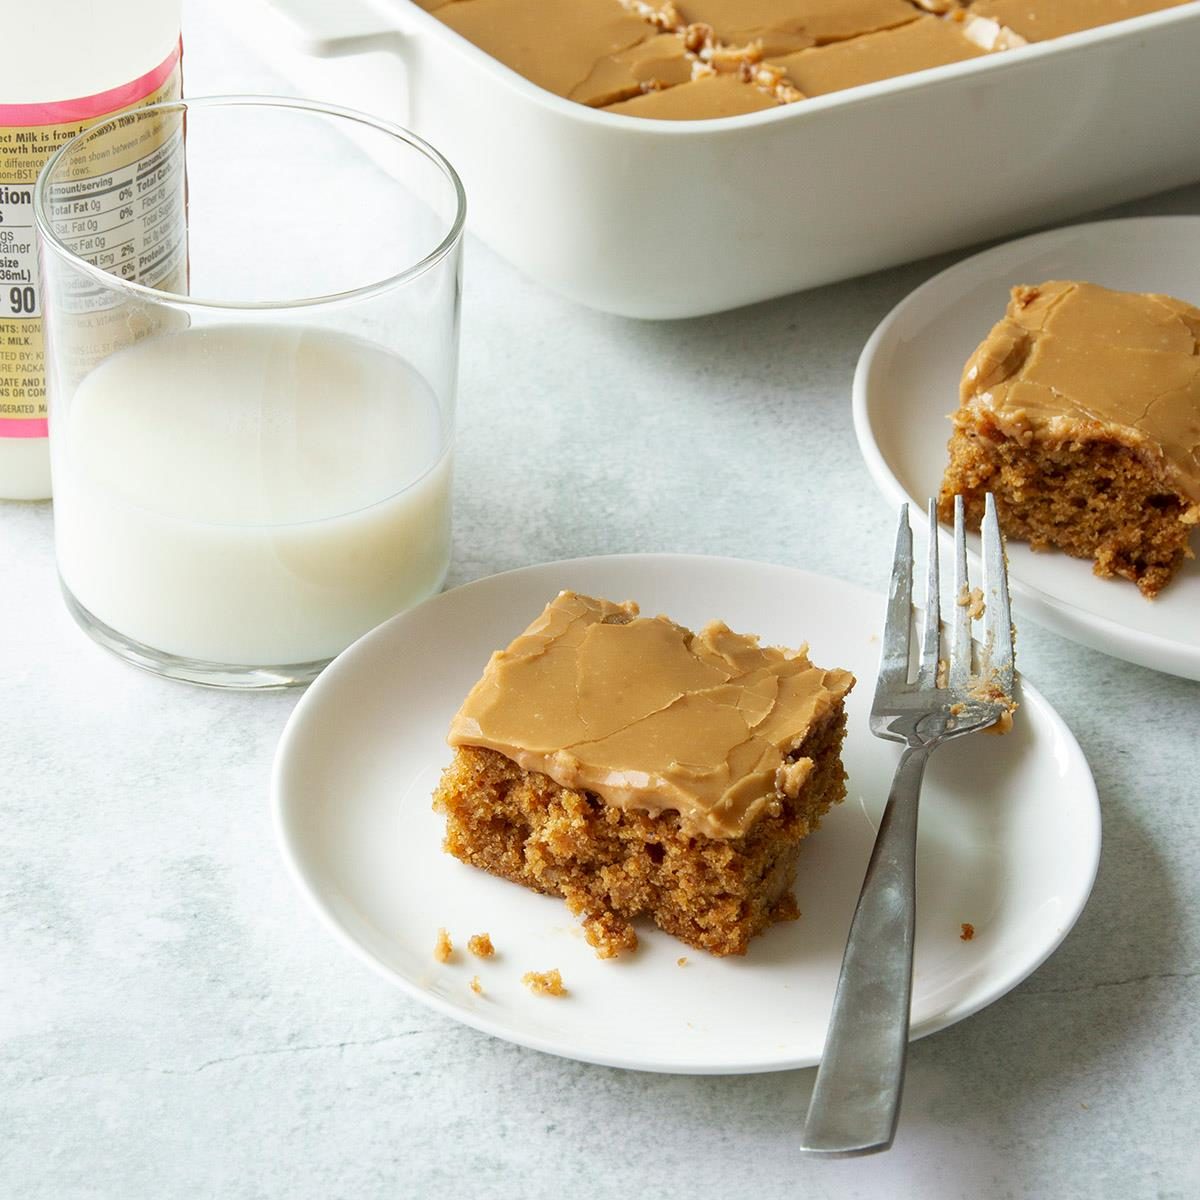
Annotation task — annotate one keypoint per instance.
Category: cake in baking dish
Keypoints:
(637, 769)
(1080, 411)
(1041, 20)
(595, 52)
(781, 26)
(706, 97)
(621, 55)
(926, 42)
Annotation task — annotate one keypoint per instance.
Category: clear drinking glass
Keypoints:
(252, 340)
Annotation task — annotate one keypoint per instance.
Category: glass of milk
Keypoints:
(252, 313)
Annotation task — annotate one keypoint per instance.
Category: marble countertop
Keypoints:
(174, 1023)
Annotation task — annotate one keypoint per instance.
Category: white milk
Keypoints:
(257, 496)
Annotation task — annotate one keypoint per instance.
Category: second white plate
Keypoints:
(1010, 837)
(907, 383)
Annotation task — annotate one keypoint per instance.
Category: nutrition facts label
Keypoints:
(126, 216)
(18, 252)
(127, 220)
(22, 394)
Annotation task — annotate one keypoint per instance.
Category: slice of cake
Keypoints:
(635, 768)
(1081, 412)
(921, 44)
(782, 26)
(1040, 20)
(705, 98)
(558, 46)
(659, 62)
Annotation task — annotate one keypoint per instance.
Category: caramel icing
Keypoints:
(661, 62)
(923, 43)
(782, 26)
(1071, 359)
(650, 58)
(649, 715)
(703, 98)
(558, 46)
(1039, 20)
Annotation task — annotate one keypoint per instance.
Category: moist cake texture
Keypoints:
(480, 944)
(443, 948)
(638, 769)
(623, 55)
(544, 983)
(1080, 410)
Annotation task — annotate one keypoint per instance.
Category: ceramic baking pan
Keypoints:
(675, 219)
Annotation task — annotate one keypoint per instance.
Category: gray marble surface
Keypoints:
(173, 1023)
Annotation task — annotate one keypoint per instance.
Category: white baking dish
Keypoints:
(675, 219)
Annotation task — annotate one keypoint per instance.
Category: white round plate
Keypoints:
(906, 384)
(1010, 837)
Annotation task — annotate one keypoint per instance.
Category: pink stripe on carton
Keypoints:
(83, 108)
(24, 427)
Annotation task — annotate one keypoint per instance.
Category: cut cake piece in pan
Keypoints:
(781, 26)
(635, 768)
(1040, 20)
(1080, 410)
(660, 62)
(921, 44)
(707, 97)
(560, 46)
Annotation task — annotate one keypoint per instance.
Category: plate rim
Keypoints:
(293, 731)
(1096, 631)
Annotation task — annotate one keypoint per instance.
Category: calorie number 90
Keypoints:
(22, 299)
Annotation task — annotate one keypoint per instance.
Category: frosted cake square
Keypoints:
(638, 769)
(1080, 411)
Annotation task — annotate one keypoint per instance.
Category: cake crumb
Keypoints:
(476, 986)
(544, 983)
(608, 934)
(681, 962)
(443, 948)
(972, 601)
(1003, 724)
(968, 931)
(480, 944)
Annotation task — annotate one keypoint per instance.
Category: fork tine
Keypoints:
(893, 662)
(960, 634)
(931, 634)
(998, 637)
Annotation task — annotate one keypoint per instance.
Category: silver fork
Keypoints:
(856, 1098)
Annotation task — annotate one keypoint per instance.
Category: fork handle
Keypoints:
(856, 1097)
